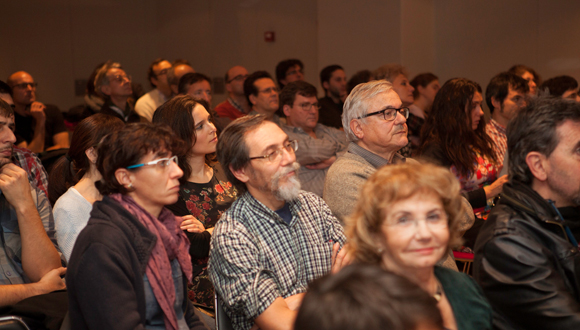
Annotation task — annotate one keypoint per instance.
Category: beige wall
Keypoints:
(60, 41)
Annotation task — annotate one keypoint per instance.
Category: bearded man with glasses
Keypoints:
(318, 145)
(275, 238)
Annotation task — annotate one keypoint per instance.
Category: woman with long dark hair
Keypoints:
(205, 192)
(72, 179)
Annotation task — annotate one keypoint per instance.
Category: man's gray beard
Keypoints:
(291, 189)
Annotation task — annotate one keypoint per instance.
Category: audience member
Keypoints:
(374, 123)
(39, 127)
(426, 87)
(411, 222)
(130, 265)
(365, 297)
(288, 71)
(564, 87)
(360, 77)
(262, 94)
(157, 76)
(205, 192)
(398, 76)
(505, 96)
(254, 248)
(318, 145)
(72, 179)
(196, 85)
(454, 137)
(526, 256)
(236, 105)
(178, 69)
(114, 86)
(23, 157)
(333, 80)
(30, 260)
(529, 75)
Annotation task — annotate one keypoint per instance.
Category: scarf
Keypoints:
(171, 243)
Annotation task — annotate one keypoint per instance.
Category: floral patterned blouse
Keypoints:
(486, 173)
(206, 202)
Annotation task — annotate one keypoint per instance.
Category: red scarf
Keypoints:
(171, 243)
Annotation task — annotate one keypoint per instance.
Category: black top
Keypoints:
(54, 124)
(129, 115)
(330, 112)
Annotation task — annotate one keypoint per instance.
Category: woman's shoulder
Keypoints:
(71, 200)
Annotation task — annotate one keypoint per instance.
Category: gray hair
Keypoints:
(389, 72)
(101, 78)
(357, 103)
(534, 129)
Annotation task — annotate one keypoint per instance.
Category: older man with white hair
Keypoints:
(374, 121)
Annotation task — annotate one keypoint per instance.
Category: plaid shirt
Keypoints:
(256, 257)
(29, 162)
(329, 142)
(499, 137)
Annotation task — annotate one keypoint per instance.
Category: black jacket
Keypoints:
(526, 265)
(105, 273)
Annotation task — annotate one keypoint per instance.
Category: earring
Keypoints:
(380, 250)
(130, 186)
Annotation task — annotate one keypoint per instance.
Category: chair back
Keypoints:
(12, 323)
(222, 320)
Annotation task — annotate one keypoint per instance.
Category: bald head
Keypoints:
(175, 73)
(23, 88)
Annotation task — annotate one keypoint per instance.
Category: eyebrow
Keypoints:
(274, 145)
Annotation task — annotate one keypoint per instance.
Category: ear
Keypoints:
(284, 82)
(357, 129)
(106, 89)
(154, 81)
(537, 165)
(252, 99)
(240, 174)
(286, 108)
(420, 89)
(326, 85)
(91, 155)
(175, 89)
(496, 103)
(124, 177)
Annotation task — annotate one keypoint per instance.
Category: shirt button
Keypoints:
(8, 273)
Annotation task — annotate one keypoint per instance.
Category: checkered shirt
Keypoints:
(499, 137)
(256, 257)
(29, 162)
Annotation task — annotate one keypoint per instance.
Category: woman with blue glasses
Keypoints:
(130, 265)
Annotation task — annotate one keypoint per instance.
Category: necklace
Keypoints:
(438, 292)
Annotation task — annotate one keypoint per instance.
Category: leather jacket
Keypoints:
(526, 265)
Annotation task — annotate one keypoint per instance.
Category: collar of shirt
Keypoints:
(497, 126)
(272, 216)
(375, 160)
(235, 105)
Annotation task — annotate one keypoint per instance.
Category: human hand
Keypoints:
(15, 186)
(52, 281)
(321, 165)
(340, 259)
(37, 111)
(496, 187)
(191, 224)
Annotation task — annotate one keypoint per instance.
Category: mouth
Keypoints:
(424, 251)
(213, 140)
(6, 151)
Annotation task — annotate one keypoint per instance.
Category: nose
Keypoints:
(288, 157)
(400, 119)
(422, 231)
(176, 171)
(9, 137)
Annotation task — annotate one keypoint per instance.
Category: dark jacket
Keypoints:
(130, 116)
(526, 265)
(105, 273)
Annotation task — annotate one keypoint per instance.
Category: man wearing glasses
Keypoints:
(318, 145)
(157, 75)
(114, 86)
(236, 105)
(275, 238)
(374, 121)
(39, 127)
(262, 94)
(288, 71)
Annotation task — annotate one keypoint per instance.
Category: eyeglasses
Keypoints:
(25, 85)
(119, 78)
(269, 90)
(240, 77)
(406, 223)
(389, 114)
(160, 73)
(293, 72)
(308, 106)
(161, 163)
(290, 146)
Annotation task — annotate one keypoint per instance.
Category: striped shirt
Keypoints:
(499, 137)
(256, 257)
